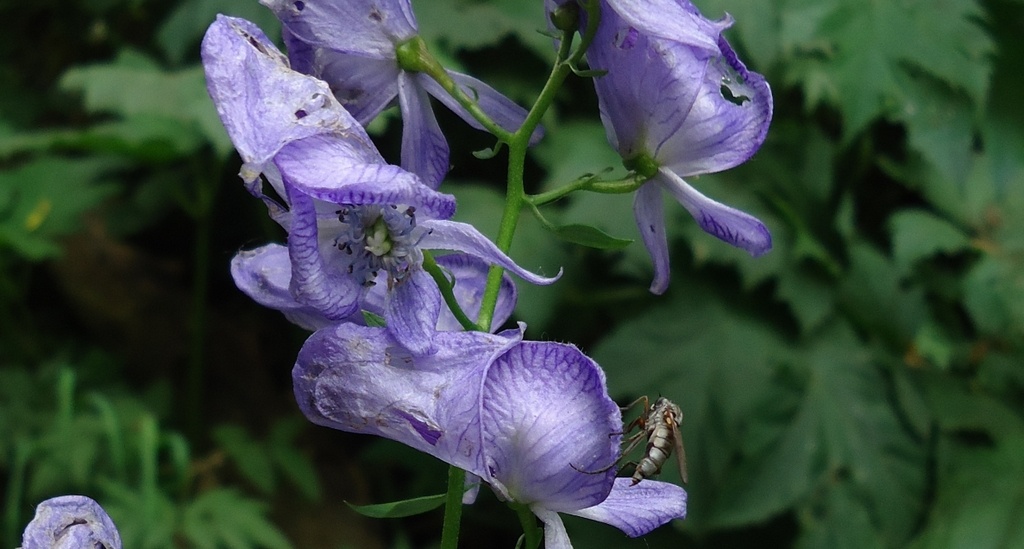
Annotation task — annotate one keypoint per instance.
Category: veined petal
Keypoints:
(264, 274)
(549, 426)
(363, 85)
(650, 220)
(369, 28)
(70, 522)
(461, 237)
(312, 282)
(721, 132)
(263, 103)
(411, 309)
(676, 20)
(359, 379)
(636, 510)
(470, 274)
(502, 110)
(424, 148)
(329, 169)
(555, 536)
(724, 222)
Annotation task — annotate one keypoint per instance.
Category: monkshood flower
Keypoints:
(352, 45)
(264, 274)
(353, 221)
(70, 522)
(676, 102)
(532, 419)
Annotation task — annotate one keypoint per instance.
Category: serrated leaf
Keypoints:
(591, 237)
(472, 24)
(918, 234)
(252, 458)
(399, 509)
(223, 516)
(873, 297)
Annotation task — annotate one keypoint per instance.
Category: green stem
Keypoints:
(447, 291)
(453, 508)
(589, 183)
(529, 523)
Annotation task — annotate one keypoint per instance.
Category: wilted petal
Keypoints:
(70, 522)
(370, 29)
(261, 101)
(363, 85)
(424, 148)
(724, 222)
(411, 309)
(549, 426)
(721, 132)
(462, 237)
(650, 220)
(502, 110)
(359, 379)
(264, 274)
(636, 510)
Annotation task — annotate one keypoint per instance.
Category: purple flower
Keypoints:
(353, 221)
(70, 522)
(526, 417)
(352, 44)
(676, 102)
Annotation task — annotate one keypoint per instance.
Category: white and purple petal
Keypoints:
(411, 310)
(650, 221)
(265, 274)
(723, 222)
(368, 28)
(638, 509)
(469, 274)
(676, 20)
(462, 237)
(502, 110)
(424, 148)
(549, 426)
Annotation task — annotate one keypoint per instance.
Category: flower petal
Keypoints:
(462, 237)
(263, 103)
(555, 536)
(264, 274)
(726, 124)
(337, 171)
(312, 282)
(370, 29)
(502, 110)
(550, 430)
(636, 510)
(359, 379)
(424, 148)
(724, 222)
(363, 85)
(470, 275)
(411, 309)
(650, 219)
(70, 522)
(676, 20)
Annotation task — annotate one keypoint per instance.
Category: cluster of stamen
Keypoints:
(375, 238)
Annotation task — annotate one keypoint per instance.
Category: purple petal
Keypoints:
(70, 522)
(424, 148)
(359, 379)
(650, 220)
(470, 274)
(676, 20)
(718, 133)
(332, 170)
(636, 510)
(363, 85)
(370, 29)
(549, 426)
(461, 237)
(264, 274)
(312, 283)
(724, 222)
(555, 536)
(262, 103)
(502, 110)
(411, 310)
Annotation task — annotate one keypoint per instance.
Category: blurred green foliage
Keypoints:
(860, 386)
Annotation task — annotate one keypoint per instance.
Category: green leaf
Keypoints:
(374, 320)
(186, 25)
(591, 237)
(475, 24)
(874, 298)
(399, 509)
(295, 466)
(224, 517)
(252, 458)
(918, 234)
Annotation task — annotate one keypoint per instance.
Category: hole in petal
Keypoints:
(299, 6)
(300, 114)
